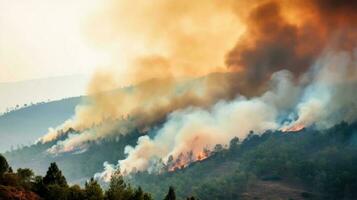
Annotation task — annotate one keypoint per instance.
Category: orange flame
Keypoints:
(295, 128)
(183, 161)
(202, 155)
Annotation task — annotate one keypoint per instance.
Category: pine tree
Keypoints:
(171, 194)
(54, 176)
(139, 194)
(117, 188)
(4, 166)
(147, 196)
(93, 191)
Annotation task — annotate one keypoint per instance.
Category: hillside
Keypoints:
(78, 167)
(32, 122)
(23, 184)
(26, 125)
(8, 192)
(16, 94)
(305, 164)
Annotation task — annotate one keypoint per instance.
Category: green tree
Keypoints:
(118, 189)
(56, 192)
(93, 191)
(171, 194)
(54, 176)
(38, 186)
(75, 193)
(218, 148)
(147, 196)
(10, 179)
(138, 194)
(234, 143)
(25, 175)
(4, 166)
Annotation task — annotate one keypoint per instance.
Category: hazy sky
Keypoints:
(41, 38)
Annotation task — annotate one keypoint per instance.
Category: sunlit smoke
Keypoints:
(326, 100)
(210, 71)
(195, 129)
(329, 98)
(166, 40)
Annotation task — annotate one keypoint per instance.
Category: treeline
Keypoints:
(24, 185)
(74, 166)
(323, 164)
(25, 105)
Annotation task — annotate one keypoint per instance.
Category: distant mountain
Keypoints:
(24, 126)
(35, 105)
(14, 95)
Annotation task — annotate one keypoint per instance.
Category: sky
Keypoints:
(41, 38)
(44, 50)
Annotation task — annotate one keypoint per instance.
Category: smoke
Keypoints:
(325, 100)
(270, 44)
(185, 36)
(330, 98)
(194, 129)
(143, 106)
(213, 70)
(163, 43)
(292, 36)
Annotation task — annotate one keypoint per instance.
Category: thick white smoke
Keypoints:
(323, 97)
(331, 96)
(195, 129)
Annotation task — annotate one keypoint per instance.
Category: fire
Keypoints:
(202, 155)
(294, 128)
(184, 160)
(178, 165)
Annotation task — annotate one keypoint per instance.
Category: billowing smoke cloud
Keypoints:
(292, 36)
(326, 100)
(163, 43)
(158, 40)
(146, 104)
(194, 129)
(330, 98)
(272, 43)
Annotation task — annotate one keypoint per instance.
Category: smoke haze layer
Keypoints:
(328, 99)
(210, 71)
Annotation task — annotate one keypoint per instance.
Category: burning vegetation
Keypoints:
(183, 160)
(271, 65)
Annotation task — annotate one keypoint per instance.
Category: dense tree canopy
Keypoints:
(4, 166)
(322, 164)
(54, 176)
(93, 191)
(171, 194)
(54, 187)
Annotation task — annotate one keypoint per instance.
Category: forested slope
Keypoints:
(24, 126)
(309, 164)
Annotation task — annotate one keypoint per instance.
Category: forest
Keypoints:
(311, 163)
(321, 164)
(24, 185)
